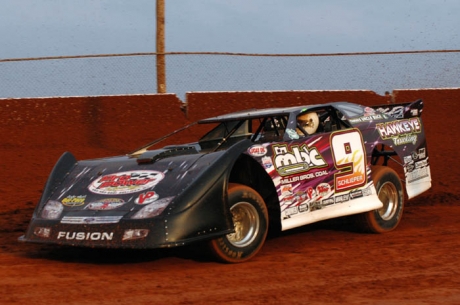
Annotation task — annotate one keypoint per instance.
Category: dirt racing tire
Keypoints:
(250, 219)
(390, 192)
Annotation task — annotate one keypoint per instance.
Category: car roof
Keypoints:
(251, 114)
(268, 112)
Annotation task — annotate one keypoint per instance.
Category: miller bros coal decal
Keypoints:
(402, 131)
(296, 160)
(125, 182)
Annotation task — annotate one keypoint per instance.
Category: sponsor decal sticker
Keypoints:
(328, 201)
(350, 181)
(401, 132)
(267, 162)
(291, 211)
(342, 198)
(417, 174)
(395, 112)
(356, 194)
(73, 201)
(408, 159)
(146, 198)
(311, 193)
(367, 191)
(125, 182)
(368, 111)
(410, 167)
(257, 151)
(105, 204)
(323, 189)
(304, 207)
(296, 160)
(316, 205)
(287, 192)
(420, 164)
(422, 153)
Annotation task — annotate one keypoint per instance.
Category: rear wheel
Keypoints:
(390, 192)
(250, 219)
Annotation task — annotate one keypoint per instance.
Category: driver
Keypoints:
(309, 122)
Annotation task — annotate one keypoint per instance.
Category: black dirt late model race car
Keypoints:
(285, 166)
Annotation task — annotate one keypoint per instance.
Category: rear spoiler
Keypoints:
(401, 111)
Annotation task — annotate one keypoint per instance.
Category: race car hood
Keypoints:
(121, 186)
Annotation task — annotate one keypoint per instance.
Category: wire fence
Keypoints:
(117, 74)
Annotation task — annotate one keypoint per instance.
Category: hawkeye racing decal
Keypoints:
(401, 131)
(125, 182)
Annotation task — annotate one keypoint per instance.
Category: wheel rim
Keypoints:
(388, 195)
(246, 222)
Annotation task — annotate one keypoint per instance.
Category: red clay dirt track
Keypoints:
(324, 263)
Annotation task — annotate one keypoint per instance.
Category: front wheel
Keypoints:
(250, 220)
(390, 192)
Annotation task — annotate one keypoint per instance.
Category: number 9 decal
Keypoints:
(349, 157)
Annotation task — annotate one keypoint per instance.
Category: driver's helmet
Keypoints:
(309, 122)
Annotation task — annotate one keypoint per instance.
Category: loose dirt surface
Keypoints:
(320, 264)
(324, 263)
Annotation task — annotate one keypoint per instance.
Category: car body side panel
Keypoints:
(319, 177)
(401, 129)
